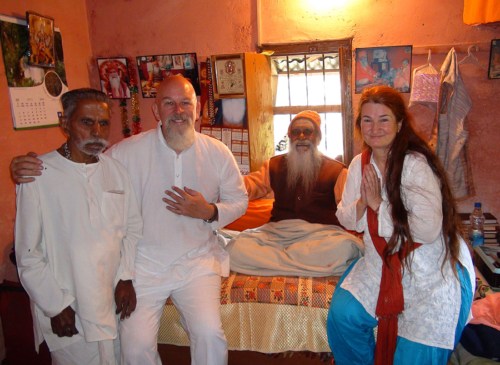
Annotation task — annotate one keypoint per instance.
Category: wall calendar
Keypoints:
(34, 91)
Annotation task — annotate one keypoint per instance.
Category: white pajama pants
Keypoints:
(198, 302)
(87, 353)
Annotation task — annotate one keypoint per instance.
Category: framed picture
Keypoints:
(228, 74)
(494, 69)
(154, 69)
(389, 66)
(113, 73)
(41, 40)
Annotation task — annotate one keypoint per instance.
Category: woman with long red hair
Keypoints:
(416, 278)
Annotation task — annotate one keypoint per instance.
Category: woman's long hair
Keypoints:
(408, 141)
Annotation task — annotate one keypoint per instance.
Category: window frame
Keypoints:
(344, 48)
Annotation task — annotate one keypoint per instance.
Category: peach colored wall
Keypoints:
(69, 16)
(419, 23)
(137, 28)
(132, 28)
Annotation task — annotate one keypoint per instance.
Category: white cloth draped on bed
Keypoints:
(294, 248)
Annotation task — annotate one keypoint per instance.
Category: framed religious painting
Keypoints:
(228, 74)
(494, 69)
(113, 73)
(155, 68)
(41, 40)
(390, 66)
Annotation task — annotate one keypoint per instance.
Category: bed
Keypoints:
(268, 314)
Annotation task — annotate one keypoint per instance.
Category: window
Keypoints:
(316, 76)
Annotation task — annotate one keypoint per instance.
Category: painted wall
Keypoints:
(70, 18)
(132, 28)
(138, 28)
(141, 27)
(419, 23)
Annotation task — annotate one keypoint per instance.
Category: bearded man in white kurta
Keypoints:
(77, 227)
(179, 256)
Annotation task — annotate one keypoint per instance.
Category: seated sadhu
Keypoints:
(307, 186)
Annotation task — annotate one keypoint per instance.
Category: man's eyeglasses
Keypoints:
(298, 132)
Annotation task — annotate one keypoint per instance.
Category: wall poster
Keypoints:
(390, 66)
(154, 69)
(228, 123)
(115, 81)
(41, 40)
(494, 68)
(34, 91)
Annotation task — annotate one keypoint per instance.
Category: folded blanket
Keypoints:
(294, 248)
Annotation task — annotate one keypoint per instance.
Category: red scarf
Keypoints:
(390, 301)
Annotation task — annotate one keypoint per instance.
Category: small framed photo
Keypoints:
(113, 73)
(389, 66)
(228, 73)
(41, 40)
(494, 69)
(178, 62)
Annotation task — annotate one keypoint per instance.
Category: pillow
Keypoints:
(258, 213)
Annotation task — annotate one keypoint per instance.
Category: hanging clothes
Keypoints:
(425, 87)
(449, 137)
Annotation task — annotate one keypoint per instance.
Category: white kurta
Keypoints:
(175, 246)
(432, 304)
(77, 227)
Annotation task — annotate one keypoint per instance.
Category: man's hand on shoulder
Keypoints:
(21, 167)
(63, 325)
(125, 298)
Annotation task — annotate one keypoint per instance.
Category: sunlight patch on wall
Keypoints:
(325, 5)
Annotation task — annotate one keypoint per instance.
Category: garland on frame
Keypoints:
(124, 118)
(134, 96)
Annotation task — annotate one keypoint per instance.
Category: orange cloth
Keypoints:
(481, 11)
(258, 213)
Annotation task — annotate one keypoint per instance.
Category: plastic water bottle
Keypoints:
(477, 226)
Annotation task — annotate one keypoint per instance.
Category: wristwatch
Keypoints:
(214, 217)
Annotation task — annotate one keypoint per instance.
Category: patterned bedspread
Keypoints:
(288, 290)
(266, 314)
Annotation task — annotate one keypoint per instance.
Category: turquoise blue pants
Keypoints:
(351, 338)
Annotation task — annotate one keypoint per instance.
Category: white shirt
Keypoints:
(76, 232)
(432, 304)
(207, 167)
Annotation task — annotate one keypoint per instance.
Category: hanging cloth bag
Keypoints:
(425, 87)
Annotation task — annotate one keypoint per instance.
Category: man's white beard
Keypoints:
(114, 82)
(303, 167)
(179, 137)
(83, 145)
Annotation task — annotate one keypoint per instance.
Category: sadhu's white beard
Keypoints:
(179, 138)
(114, 82)
(303, 167)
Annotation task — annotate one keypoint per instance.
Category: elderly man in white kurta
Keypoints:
(77, 227)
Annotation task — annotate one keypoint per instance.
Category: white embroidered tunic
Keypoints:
(432, 304)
